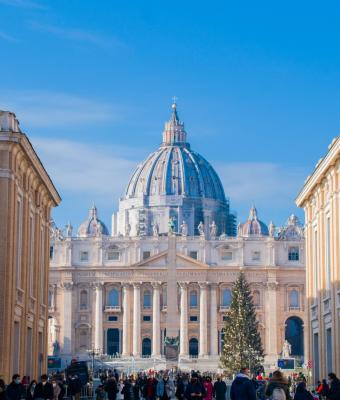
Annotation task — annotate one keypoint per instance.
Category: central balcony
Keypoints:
(112, 309)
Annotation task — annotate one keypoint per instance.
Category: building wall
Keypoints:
(272, 277)
(26, 198)
(320, 198)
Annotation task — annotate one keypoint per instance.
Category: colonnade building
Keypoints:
(165, 272)
(320, 199)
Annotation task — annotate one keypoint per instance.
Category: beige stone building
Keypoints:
(27, 195)
(320, 199)
(167, 268)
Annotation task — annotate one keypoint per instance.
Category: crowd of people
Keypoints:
(167, 385)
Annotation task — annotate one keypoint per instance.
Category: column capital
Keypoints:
(183, 285)
(125, 285)
(156, 285)
(137, 285)
(203, 285)
(272, 285)
(67, 285)
(97, 285)
(213, 285)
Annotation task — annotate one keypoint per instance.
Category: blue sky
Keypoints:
(91, 83)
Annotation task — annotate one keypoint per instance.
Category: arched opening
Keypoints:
(83, 338)
(294, 335)
(146, 347)
(113, 298)
(113, 341)
(147, 299)
(83, 300)
(226, 297)
(193, 299)
(256, 298)
(193, 347)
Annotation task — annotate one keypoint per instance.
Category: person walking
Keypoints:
(43, 390)
(74, 387)
(3, 394)
(302, 393)
(333, 393)
(195, 390)
(31, 389)
(220, 389)
(242, 387)
(111, 388)
(15, 390)
(278, 387)
(209, 388)
(56, 389)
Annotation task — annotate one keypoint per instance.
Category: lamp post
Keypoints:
(93, 353)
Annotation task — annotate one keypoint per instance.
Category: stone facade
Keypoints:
(27, 195)
(125, 295)
(320, 199)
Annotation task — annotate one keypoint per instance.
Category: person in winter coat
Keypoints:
(333, 393)
(180, 388)
(242, 387)
(44, 389)
(278, 381)
(74, 387)
(220, 389)
(130, 391)
(111, 388)
(31, 389)
(209, 389)
(3, 395)
(56, 389)
(15, 390)
(165, 388)
(302, 393)
(195, 390)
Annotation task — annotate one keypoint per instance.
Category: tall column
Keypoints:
(203, 320)
(271, 322)
(213, 320)
(136, 320)
(67, 325)
(156, 320)
(184, 320)
(126, 321)
(98, 333)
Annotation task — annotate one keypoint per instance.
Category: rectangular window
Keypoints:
(146, 254)
(329, 350)
(112, 318)
(51, 252)
(293, 253)
(328, 254)
(18, 242)
(316, 357)
(113, 255)
(193, 254)
(315, 263)
(42, 266)
(256, 256)
(31, 256)
(29, 352)
(193, 318)
(16, 346)
(147, 318)
(84, 256)
(227, 255)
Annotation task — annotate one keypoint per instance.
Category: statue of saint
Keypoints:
(184, 229)
(98, 230)
(155, 230)
(137, 229)
(201, 229)
(127, 229)
(56, 348)
(239, 229)
(213, 230)
(271, 229)
(171, 225)
(286, 349)
(69, 229)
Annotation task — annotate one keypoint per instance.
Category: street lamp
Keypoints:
(93, 353)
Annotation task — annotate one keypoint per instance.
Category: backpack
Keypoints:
(278, 394)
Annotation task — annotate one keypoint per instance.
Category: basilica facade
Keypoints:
(164, 273)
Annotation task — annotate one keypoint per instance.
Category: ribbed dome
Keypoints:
(174, 169)
(93, 226)
(253, 226)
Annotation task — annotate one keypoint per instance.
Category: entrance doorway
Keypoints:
(113, 341)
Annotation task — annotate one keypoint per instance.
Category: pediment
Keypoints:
(161, 260)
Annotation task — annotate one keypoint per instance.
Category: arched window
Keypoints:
(294, 298)
(146, 347)
(50, 297)
(147, 299)
(113, 298)
(226, 298)
(294, 335)
(193, 347)
(83, 300)
(256, 298)
(83, 339)
(193, 299)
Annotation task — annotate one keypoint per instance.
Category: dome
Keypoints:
(93, 226)
(175, 183)
(173, 171)
(253, 226)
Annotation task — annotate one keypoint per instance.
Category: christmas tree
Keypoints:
(242, 345)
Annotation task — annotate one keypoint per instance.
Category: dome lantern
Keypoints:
(174, 133)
